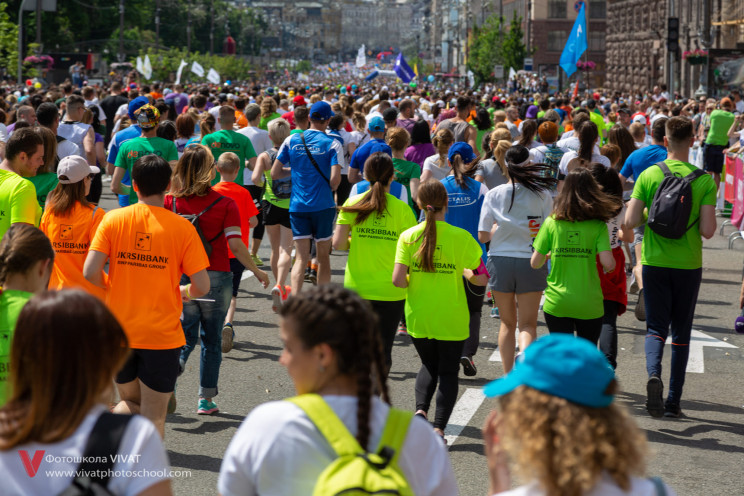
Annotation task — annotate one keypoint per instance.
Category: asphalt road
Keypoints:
(701, 453)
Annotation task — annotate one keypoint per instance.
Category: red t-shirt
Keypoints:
(289, 117)
(222, 221)
(246, 207)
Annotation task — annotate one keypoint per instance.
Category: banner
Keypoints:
(180, 71)
(576, 44)
(361, 60)
(148, 68)
(197, 69)
(403, 70)
(213, 76)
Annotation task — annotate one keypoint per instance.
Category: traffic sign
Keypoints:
(528, 64)
(498, 72)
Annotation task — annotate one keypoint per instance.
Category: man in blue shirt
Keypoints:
(312, 209)
(376, 129)
(133, 131)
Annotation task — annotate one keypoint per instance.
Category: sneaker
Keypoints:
(640, 309)
(307, 275)
(468, 366)
(206, 407)
(313, 277)
(654, 399)
(257, 260)
(228, 336)
(172, 403)
(672, 410)
(277, 298)
(633, 288)
(286, 290)
(495, 313)
(402, 330)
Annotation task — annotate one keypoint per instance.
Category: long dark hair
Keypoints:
(482, 119)
(432, 198)
(420, 133)
(21, 247)
(609, 181)
(529, 130)
(621, 137)
(379, 170)
(588, 135)
(582, 199)
(63, 198)
(534, 177)
(344, 321)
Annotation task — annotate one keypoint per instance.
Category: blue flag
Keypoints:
(403, 70)
(575, 45)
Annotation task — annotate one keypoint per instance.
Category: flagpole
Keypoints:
(588, 41)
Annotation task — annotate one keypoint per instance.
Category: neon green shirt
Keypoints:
(720, 123)
(17, 201)
(436, 307)
(227, 140)
(11, 304)
(597, 119)
(264, 122)
(44, 184)
(136, 148)
(369, 268)
(573, 288)
(404, 172)
(687, 251)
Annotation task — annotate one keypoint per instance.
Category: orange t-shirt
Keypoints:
(149, 248)
(71, 236)
(240, 119)
(246, 207)
(155, 95)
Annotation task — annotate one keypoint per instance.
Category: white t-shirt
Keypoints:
(141, 444)
(605, 487)
(570, 155)
(359, 138)
(278, 451)
(261, 143)
(438, 173)
(65, 148)
(94, 107)
(517, 227)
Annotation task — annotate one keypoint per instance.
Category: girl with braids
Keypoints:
(331, 348)
(510, 219)
(26, 260)
(588, 151)
(431, 259)
(375, 220)
(436, 166)
(575, 235)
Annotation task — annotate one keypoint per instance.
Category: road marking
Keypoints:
(698, 341)
(464, 410)
(246, 275)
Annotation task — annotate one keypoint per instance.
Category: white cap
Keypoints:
(74, 168)
(640, 118)
(657, 117)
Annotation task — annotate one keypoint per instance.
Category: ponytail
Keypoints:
(535, 177)
(432, 198)
(378, 169)
(461, 170)
(588, 135)
(21, 247)
(443, 138)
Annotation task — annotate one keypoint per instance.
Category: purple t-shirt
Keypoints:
(407, 124)
(420, 152)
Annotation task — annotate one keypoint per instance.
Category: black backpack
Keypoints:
(670, 210)
(194, 219)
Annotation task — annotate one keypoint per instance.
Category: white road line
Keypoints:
(246, 275)
(464, 410)
(698, 341)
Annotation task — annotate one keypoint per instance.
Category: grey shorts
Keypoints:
(515, 275)
(638, 235)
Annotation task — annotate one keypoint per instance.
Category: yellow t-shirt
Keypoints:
(18, 203)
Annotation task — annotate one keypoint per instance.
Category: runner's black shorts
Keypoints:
(273, 215)
(157, 369)
(713, 158)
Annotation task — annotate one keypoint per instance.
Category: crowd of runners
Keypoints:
(444, 199)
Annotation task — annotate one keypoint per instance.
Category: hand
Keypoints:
(185, 293)
(262, 277)
(498, 470)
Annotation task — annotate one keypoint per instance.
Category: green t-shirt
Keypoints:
(11, 304)
(404, 172)
(686, 252)
(44, 184)
(597, 119)
(136, 148)
(18, 201)
(227, 140)
(720, 123)
(479, 139)
(436, 306)
(296, 131)
(573, 288)
(264, 123)
(369, 268)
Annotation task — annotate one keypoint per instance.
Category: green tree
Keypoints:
(493, 45)
(8, 42)
(513, 50)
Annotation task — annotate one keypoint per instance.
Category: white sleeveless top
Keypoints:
(74, 132)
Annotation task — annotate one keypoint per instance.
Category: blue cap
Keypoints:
(376, 125)
(463, 150)
(560, 365)
(321, 111)
(135, 104)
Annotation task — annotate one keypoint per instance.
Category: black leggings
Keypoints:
(585, 328)
(608, 336)
(440, 363)
(389, 314)
(474, 295)
(257, 194)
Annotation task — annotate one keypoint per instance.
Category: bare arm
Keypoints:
(484, 236)
(116, 186)
(335, 177)
(100, 153)
(198, 287)
(634, 214)
(341, 237)
(400, 276)
(258, 171)
(414, 184)
(354, 175)
(607, 260)
(480, 179)
(89, 145)
(707, 221)
(93, 268)
(425, 175)
(278, 171)
(477, 279)
(252, 163)
(625, 234)
(537, 260)
(243, 255)
(472, 137)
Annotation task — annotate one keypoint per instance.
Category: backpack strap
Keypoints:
(312, 159)
(689, 178)
(394, 434)
(95, 209)
(664, 169)
(328, 423)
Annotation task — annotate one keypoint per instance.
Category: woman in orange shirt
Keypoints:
(70, 223)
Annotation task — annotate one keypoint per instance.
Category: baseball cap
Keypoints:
(376, 124)
(299, 100)
(639, 117)
(560, 365)
(147, 116)
(463, 150)
(74, 168)
(321, 111)
(624, 110)
(136, 104)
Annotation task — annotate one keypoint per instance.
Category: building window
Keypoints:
(557, 40)
(556, 9)
(596, 41)
(597, 9)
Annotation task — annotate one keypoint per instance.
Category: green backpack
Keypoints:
(356, 472)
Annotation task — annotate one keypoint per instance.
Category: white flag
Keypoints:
(361, 60)
(213, 76)
(180, 71)
(512, 73)
(148, 68)
(197, 69)
(140, 67)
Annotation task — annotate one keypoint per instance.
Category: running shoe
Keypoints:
(228, 336)
(654, 399)
(313, 277)
(206, 407)
(495, 313)
(672, 410)
(286, 290)
(277, 298)
(468, 366)
(257, 260)
(402, 329)
(172, 403)
(633, 286)
(307, 275)
(640, 309)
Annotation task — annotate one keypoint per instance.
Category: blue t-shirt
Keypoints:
(362, 153)
(310, 191)
(396, 189)
(464, 205)
(133, 131)
(642, 159)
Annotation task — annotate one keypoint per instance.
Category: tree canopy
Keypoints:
(491, 45)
